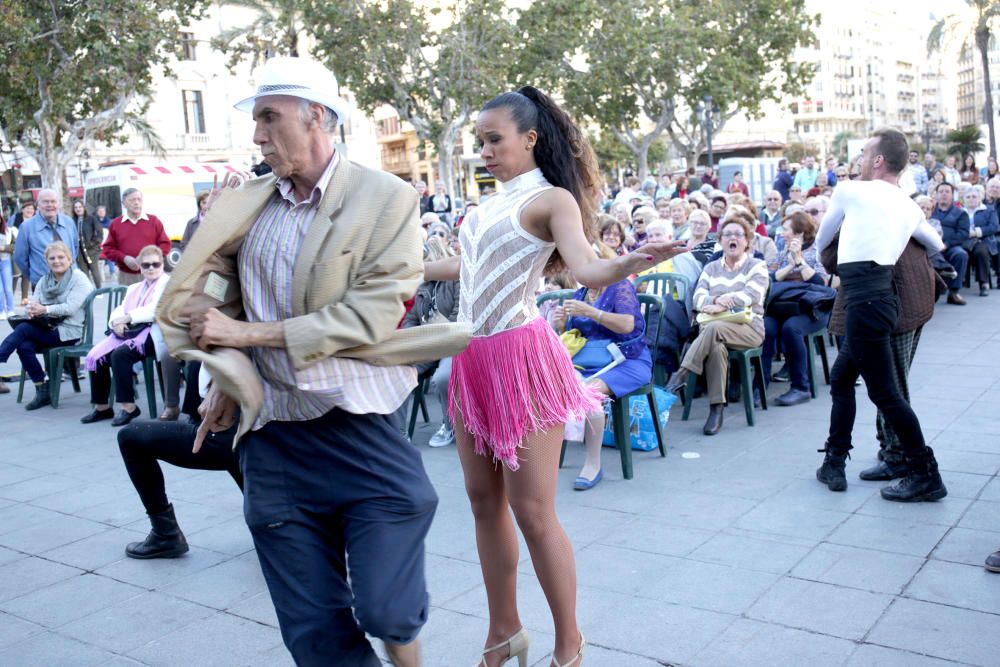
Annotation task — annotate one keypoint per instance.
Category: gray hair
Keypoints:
(923, 199)
(329, 121)
(128, 192)
(661, 225)
(49, 191)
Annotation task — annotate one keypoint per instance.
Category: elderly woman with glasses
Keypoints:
(130, 340)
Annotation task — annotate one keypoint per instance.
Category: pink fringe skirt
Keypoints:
(515, 383)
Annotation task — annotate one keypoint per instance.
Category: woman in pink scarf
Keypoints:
(130, 340)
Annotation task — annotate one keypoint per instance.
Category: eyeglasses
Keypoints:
(442, 235)
(814, 211)
(151, 265)
(638, 221)
(733, 235)
(774, 199)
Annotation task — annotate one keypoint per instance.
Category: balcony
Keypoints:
(193, 141)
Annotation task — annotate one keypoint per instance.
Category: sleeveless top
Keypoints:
(502, 263)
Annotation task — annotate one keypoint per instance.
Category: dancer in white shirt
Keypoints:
(875, 219)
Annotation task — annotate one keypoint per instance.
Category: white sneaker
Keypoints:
(445, 436)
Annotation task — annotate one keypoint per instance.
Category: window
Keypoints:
(187, 46)
(194, 112)
(819, 107)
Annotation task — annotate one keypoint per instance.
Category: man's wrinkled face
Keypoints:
(48, 205)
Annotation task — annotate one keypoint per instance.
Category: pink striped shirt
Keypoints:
(266, 261)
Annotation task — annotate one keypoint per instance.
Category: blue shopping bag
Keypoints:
(640, 427)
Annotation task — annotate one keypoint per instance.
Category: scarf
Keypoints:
(53, 290)
(134, 299)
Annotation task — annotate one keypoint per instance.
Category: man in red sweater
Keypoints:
(131, 232)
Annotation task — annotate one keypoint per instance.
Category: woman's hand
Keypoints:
(726, 301)
(652, 254)
(713, 308)
(559, 318)
(36, 309)
(579, 309)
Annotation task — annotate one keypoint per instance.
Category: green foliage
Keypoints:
(964, 141)
(798, 150)
(275, 31)
(840, 145)
(78, 70)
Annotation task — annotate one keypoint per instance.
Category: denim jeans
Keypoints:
(6, 285)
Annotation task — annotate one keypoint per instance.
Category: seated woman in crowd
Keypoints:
(642, 216)
(797, 262)
(607, 315)
(131, 339)
(983, 228)
(700, 241)
(734, 281)
(613, 234)
(436, 301)
(679, 217)
(55, 317)
(926, 205)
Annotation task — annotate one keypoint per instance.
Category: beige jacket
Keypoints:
(360, 260)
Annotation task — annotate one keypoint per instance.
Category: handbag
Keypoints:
(573, 340)
(132, 330)
(44, 322)
(736, 315)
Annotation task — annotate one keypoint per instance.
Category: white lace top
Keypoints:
(501, 262)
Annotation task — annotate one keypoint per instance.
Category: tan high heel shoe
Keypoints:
(518, 648)
(578, 656)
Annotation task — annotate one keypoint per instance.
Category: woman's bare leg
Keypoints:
(593, 435)
(496, 540)
(531, 491)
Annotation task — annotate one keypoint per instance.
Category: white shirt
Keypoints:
(876, 220)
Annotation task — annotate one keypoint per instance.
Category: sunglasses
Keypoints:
(442, 235)
(151, 265)
(814, 211)
(733, 235)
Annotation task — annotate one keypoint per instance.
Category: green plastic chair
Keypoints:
(560, 294)
(419, 402)
(620, 406)
(665, 283)
(748, 360)
(816, 343)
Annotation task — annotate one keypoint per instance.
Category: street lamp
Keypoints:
(927, 132)
(708, 112)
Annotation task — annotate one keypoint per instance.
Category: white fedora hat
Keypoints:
(297, 77)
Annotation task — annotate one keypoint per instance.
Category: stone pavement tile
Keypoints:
(82, 496)
(963, 545)
(51, 533)
(13, 630)
(108, 470)
(132, 624)
(823, 608)
(256, 608)
(70, 599)
(221, 640)
(12, 474)
(941, 631)
(869, 655)
(95, 551)
(275, 657)
(448, 578)
(29, 574)
(120, 661)
(872, 532)
(983, 515)
(853, 567)
(453, 534)
(732, 483)
(117, 512)
(765, 553)
(958, 585)
(965, 485)
(159, 572)
(751, 643)
(956, 460)
(587, 524)
(810, 493)
(597, 656)
(939, 413)
(229, 537)
(37, 487)
(223, 585)
(699, 510)
(794, 521)
(49, 649)
(708, 586)
(19, 516)
(649, 533)
(453, 639)
(620, 570)
(945, 512)
(991, 491)
(976, 419)
(9, 555)
(664, 632)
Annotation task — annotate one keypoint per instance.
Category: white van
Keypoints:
(168, 191)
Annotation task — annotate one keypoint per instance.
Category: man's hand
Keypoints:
(230, 180)
(211, 327)
(652, 254)
(131, 262)
(218, 413)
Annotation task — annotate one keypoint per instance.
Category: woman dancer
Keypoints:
(513, 388)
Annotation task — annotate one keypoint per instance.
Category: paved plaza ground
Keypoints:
(736, 557)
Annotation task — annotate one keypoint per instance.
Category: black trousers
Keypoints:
(144, 444)
(866, 351)
(342, 496)
(122, 358)
(979, 256)
(904, 348)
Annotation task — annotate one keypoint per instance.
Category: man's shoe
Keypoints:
(170, 414)
(832, 472)
(445, 436)
(41, 398)
(884, 471)
(993, 562)
(793, 397)
(922, 482)
(4, 389)
(124, 417)
(714, 422)
(98, 415)
(782, 375)
(165, 540)
(955, 299)
(983, 290)
(678, 381)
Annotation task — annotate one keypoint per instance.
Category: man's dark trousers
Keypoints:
(342, 495)
(904, 348)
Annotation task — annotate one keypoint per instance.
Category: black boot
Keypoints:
(832, 472)
(922, 482)
(41, 398)
(165, 540)
(884, 471)
(714, 422)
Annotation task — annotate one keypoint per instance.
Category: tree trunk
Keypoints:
(445, 147)
(983, 42)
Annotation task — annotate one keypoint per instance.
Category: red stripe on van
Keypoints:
(211, 170)
(163, 170)
(137, 170)
(187, 170)
(230, 169)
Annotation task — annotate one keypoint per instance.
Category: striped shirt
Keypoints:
(266, 262)
(748, 284)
